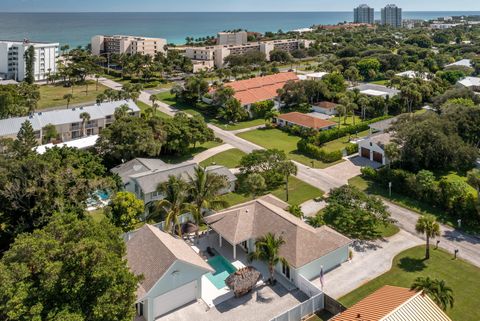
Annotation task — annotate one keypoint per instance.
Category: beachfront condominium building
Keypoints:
(392, 16)
(127, 45)
(12, 59)
(363, 14)
(232, 38)
(218, 53)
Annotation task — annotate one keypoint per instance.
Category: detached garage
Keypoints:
(373, 147)
(171, 271)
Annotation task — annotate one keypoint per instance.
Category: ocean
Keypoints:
(77, 28)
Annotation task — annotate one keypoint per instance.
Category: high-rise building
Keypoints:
(363, 14)
(392, 16)
(12, 59)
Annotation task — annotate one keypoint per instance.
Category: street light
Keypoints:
(390, 189)
(455, 254)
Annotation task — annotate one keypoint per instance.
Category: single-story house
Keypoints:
(472, 83)
(376, 90)
(306, 249)
(171, 271)
(392, 303)
(325, 107)
(316, 75)
(260, 89)
(413, 74)
(461, 63)
(142, 176)
(373, 147)
(303, 120)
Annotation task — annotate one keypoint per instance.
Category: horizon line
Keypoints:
(310, 11)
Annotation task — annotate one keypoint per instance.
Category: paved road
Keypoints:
(334, 177)
(450, 239)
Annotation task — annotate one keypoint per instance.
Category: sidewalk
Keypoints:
(211, 152)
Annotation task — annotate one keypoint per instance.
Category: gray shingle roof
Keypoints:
(151, 252)
(222, 171)
(148, 181)
(303, 243)
(383, 125)
(11, 126)
(137, 166)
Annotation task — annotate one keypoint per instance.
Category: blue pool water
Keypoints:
(103, 195)
(222, 268)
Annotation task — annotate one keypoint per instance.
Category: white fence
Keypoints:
(307, 287)
(304, 309)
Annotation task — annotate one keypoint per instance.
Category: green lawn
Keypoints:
(299, 192)
(462, 277)
(348, 121)
(52, 95)
(229, 158)
(277, 139)
(169, 99)
(342, 142)
(381, 82)
(159, 113)
(176, 159)
(389, 230)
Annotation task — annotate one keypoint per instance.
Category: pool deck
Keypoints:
(210, 294)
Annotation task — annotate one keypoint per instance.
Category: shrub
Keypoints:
(318, 153)
(369, 173)
(351, 148)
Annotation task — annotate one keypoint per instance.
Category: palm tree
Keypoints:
(438, 290)
(341, 110)
(97, 77)
(68, 98)
(267, 250)
(205, 188)
(427, 224)
(85, 117)
(287, 168)
(153, 99)
(175, 191)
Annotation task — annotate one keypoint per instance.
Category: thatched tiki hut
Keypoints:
(243, 281)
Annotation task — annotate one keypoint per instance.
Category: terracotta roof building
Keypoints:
(304, 120)
(259, 89)
(391, 303)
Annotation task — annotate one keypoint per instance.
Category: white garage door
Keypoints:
(175, 299)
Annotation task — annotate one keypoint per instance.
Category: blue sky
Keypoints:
(228, 5)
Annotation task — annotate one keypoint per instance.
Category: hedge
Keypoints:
(318, 153)
(326, 136)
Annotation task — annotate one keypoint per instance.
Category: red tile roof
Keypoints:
(260, 88)
(306, 120)
(326, 105)
(377, 305)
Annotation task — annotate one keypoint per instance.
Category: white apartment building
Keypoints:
(12, 59)
(119, 44)
(68, 122)
(232, 38)
(218, 53)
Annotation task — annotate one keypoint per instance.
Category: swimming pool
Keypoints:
(222, 268)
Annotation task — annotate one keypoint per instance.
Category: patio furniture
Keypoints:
(243, 280)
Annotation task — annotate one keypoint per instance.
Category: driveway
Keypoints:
(261, 305)
(370, 260)
(349, 169)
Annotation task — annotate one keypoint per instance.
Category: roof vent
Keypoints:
(73, 109)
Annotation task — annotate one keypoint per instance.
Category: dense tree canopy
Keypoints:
(71, 269)
(356, 214)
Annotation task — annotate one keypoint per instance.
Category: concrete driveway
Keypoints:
(261, 305)
(350, 168)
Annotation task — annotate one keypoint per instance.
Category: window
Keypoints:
(286, 271)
